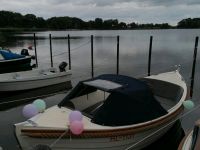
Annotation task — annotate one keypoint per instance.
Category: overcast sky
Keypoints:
(141, 11)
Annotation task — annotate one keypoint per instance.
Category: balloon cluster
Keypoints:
(76, 124)
(33, 109)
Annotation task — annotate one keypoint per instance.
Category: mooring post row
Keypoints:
(193, 66)
(118, 55)
(150, 51)
(50, 44)
(92, 57)
(69, 51)
(36, 58)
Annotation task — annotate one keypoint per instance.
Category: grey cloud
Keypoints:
(141, 11)
(148, 2)
(102, 3)
(168, 2)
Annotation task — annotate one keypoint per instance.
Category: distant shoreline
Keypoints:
(40, 29)
(16, 22)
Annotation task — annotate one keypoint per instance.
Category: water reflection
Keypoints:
(170, 47)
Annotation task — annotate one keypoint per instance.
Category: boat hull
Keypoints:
(186, 142)
(107, 143)
(126, 138)
(27, 84)
(15, 98)
(21, 64)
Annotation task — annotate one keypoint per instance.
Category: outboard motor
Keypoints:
(24, 52)
(62, 66)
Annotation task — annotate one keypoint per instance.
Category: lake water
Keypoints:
(170, 48)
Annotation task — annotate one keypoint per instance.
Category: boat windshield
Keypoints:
(88, 103)
(104, 85)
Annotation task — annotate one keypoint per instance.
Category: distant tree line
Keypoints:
(16, 20)
(189, 23)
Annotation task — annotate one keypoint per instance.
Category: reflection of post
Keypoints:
(51, 50)
(150, 50)
(193, 66)
(69, 51)
(36, 59)
(117, 54)
(92, 61)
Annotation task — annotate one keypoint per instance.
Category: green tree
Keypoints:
(98, 23)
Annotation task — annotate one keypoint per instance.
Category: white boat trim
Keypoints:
(32, 79)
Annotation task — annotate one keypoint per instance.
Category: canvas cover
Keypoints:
(9, 55)
(131, 103)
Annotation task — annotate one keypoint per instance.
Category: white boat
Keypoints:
(192, 139)
(119, 112)
(32, 79)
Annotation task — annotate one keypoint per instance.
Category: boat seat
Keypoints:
(53, 70)
(165, 102)
(46, 72)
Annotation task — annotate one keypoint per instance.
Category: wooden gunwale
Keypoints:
(49, 133)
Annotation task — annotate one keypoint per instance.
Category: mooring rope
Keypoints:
(52, 144)
(183, 115)
(60, 54)
(85, 75)
(135, 144)
(73, 49)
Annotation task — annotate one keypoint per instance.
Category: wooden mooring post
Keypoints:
(150, 51)
(193, 66)
(36, 58)
(92, 57)
(69, 51)
(118, 55)
(50, 44)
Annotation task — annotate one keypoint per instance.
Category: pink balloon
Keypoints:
(75, 116)
(29, 111)
(76, 127)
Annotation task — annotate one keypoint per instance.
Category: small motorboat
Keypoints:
(119, 112)
(192, 139)
(12, 62)
(33, 79)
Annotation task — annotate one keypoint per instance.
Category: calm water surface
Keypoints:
(170, 48)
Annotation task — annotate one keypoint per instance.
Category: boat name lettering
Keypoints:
(121, 138)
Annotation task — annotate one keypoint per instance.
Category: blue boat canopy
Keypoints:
(130, 100)
(7, 55)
